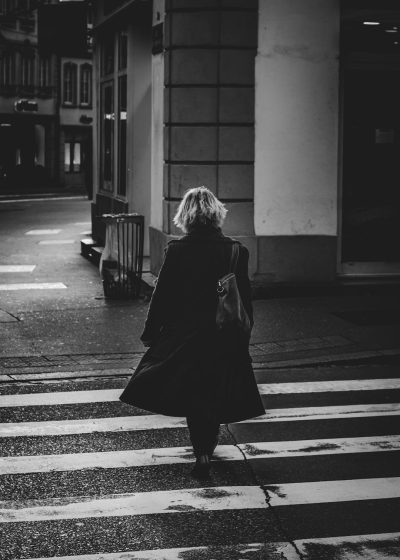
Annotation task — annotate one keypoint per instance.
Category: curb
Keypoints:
(349, 358)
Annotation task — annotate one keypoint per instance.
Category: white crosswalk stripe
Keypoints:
(282, 486)
(43, 232)
(181, 455)
(353, 547)
(106, 395)
(33, 286)
(203, 499)
(17, 268)
(57, 242)
(158, 422)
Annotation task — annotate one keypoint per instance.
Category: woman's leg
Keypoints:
(203, 432)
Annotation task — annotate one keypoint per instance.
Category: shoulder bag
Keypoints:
(230, 309)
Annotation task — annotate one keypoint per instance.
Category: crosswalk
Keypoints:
(85, 477)
(20, 270)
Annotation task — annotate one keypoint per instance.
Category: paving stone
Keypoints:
(35, 361)
(292, 345)
(268, 347)
(336, 340)
(60, 359)
(12, 363)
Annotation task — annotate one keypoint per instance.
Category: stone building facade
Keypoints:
(45, 108)
(257, 101)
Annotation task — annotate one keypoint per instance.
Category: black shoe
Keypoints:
(201, 469)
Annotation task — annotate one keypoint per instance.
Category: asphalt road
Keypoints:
(85, 477)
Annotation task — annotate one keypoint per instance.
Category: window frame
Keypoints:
(85, 69)
(73, 68)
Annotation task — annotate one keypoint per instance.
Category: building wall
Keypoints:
(209, 106)
(296, 146)
(297, 118)
(34, 159)
(243, 99)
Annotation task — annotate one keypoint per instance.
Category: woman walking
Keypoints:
(193, 368)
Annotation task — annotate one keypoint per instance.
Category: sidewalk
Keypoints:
(289, 332)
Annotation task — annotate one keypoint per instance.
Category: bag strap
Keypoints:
(234, 257)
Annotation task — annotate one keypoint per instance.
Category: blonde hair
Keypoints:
(199, 206)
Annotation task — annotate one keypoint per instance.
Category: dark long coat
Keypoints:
(190, 366)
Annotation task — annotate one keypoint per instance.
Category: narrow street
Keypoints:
(84, 477)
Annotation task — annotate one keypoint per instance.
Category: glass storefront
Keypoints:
(371, 135)
(114, 97)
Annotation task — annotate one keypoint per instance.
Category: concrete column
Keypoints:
(296, 146)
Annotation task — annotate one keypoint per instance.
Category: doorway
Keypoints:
(371, 141)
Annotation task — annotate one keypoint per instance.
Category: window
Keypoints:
(72, 157)
(44, 72)
(7, 75)
(122, 50)
(69, 78)
(86, 85)
(107, 135)
(107, 56)
(122, 98)
(27, 70)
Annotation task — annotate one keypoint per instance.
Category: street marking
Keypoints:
(160, 422)
(133, 504)
(43, 232)
(33, 286)
(326, 413)
(82, 223)
(17, 267)
(220, 498)
(57, 242)
(64, 397)
(102, 460)
(329, 446)
(305, 387)
(282, 550)
(333, 491)
(181, 455)
(91, 425)
(382, 546)
(16, 200)
(108, 395)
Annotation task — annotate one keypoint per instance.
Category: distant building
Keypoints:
(288, 110)
(45, 108)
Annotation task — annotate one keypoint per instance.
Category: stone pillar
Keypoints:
(296, 151)
(209, 109)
